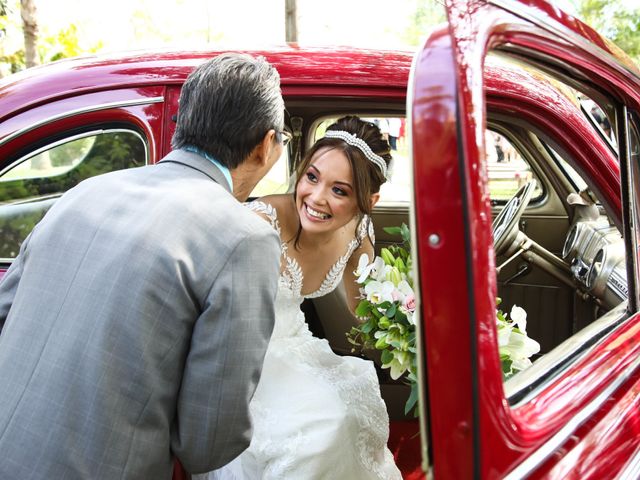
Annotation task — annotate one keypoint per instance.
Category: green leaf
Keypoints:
(363, 308)
(413, 398)
(506, 365)
(381, 343)
(367, 327)
(391, 311)
(406, 234)
(393, 230)
(401, 318)
(386, 356)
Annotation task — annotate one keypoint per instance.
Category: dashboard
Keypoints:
(595, 251)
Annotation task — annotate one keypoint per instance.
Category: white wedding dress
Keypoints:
(316, 415)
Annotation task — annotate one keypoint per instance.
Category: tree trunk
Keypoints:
(30, 28)
(291, 20)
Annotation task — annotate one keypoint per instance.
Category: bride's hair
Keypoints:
(367, 176)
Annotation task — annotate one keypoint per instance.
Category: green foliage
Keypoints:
(428, 13)
(64, 44)
(615, 21)
(51, 47)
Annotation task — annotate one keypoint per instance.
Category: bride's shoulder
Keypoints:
(276, 209)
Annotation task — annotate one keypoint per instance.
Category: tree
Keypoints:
(612, 19)
(428, 13)
(28, 13)
(291, 20)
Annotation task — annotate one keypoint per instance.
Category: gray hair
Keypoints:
(227, 105)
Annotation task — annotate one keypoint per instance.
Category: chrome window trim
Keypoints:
(547, 449)
(77, 111)
(91, 133)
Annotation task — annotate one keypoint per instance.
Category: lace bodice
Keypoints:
(292, 276)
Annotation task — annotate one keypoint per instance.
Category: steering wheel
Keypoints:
(505, 225)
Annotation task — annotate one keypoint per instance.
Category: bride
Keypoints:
(317, 415)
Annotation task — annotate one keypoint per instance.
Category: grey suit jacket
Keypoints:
(134, 324)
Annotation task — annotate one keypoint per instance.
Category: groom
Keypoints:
(135, 320)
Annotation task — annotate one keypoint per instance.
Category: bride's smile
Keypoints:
(325, 196)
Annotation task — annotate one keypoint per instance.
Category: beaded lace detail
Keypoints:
(292, 277)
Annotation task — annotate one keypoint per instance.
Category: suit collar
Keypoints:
(199, 163)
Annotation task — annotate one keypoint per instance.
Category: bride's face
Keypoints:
(325, 195)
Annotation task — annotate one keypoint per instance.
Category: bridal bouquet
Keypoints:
(387, 310)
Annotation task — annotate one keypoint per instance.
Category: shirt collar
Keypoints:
(225, 170)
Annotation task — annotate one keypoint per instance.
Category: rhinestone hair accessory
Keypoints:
(353, 140)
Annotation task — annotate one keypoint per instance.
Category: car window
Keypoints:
(506, 168)
(276, 180)
(570, 293)
(600, 119)
(397, 190)
(30, 185)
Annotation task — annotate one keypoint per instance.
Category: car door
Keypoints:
(578, 416)
(48, 149)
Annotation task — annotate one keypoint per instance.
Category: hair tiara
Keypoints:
(352, 139)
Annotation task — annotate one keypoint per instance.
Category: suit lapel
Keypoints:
(197, 162)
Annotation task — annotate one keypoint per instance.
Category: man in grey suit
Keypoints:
(135, 320)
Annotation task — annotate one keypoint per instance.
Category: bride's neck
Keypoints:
(314, 241)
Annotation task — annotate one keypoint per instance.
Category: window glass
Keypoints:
(398, 188)
(634, 159)
(506, 168)
(561, 270)
(277, 180)
(30, 186)
(599, 119)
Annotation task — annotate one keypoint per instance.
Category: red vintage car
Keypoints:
(519, 174)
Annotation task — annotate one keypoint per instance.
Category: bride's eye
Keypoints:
(311, 177)
(339, 191)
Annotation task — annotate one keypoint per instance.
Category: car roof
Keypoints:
(337, 68)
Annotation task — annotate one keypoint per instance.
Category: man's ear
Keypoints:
(265, 147)
(374, 199)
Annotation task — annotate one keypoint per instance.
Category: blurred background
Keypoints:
(34, 32)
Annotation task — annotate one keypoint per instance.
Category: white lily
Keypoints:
(522, 346)
(363, 269)
(519, 315)
(504, 332)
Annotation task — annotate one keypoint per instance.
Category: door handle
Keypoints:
(523, 269)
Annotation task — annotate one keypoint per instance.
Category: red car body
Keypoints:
(583, 422)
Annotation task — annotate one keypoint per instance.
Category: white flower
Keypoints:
(519, 316)
(364, 268)
(382, 272)
(519, 364)
(399, 364)
(405, 288)
(520, 346)
(378, 292)
(504, 332)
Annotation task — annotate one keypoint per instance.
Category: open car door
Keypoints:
(575, 412)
